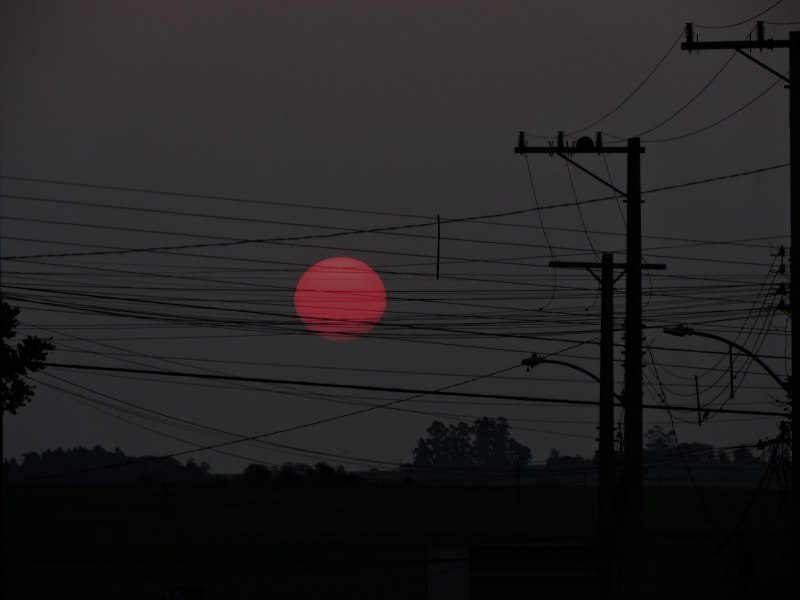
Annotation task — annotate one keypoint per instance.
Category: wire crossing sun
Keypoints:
(340, 298)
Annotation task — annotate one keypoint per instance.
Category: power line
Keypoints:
(718, 122)
(636, 89)
(748, 20)
(207, 376)
(439, 392)
(289, 239)
(691, 100)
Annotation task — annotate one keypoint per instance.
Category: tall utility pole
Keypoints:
(607, 473)
(633, 517)
(793, 44)
(631, 550)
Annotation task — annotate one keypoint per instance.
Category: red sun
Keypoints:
(340, 298)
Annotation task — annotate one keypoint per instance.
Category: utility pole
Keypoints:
(607, 471)
(607, 475)
(633, 516)
(793, 44)
(632, 541)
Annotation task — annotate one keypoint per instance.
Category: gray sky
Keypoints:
(313, 118)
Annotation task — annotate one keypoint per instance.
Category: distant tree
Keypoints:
(743, 456)
(556, 460)
(322, 473)
(434, 451)
(486, 443)
(28, 356)
(698, 451)
(494, 447)
(256, 474)
(192, 466)
(658, 440)
(288, 474)
(302, 468)
(722, 457)
(11, 468)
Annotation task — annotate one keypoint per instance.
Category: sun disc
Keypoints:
(340, 298)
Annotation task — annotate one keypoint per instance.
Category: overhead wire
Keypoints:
(691, 100)
(636, 89)
(399, 227)
(718, 121)
(747, 20)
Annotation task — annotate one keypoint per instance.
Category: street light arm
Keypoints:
(683, 330)
(535, 359)
(571, 366)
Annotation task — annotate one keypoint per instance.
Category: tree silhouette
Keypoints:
(658, 440)
(256, 474)
(487, 443)
(97, 465)
(743, 456)
(16, 362)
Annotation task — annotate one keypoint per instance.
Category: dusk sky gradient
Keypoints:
(222, 148)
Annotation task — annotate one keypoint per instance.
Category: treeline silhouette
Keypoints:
(485, 446)
(99, 466)
(299, 473)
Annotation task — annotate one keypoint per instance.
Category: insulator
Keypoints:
(689, 33)
(760, 31)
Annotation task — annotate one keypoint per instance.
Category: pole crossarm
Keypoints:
(584, 145)
(590, 266)
(684, 331)
(594, 265)
(735, 45)
(760, 43)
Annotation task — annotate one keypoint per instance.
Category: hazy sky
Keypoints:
(306, 119)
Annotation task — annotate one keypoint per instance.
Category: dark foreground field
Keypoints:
(372, 541)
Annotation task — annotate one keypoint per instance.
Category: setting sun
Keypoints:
(340, 298)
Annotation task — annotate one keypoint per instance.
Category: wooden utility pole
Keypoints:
(793, 44)
(607, 473)
(607, 470)
(632, 479)
(631, 517)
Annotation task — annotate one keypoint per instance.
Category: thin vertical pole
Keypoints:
(633, 578)
(794, 293)
(607, 469)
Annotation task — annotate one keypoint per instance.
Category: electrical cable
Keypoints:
(635, 90)
(715, 123)
(748, 20)
(398, 227)
(690, 101)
